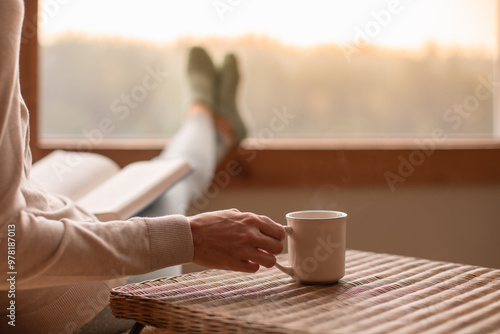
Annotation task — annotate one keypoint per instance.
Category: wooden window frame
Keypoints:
(302, 163)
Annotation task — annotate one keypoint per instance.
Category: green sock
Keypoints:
(201, 77)
(226, 96)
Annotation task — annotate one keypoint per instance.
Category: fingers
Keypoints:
(246, 266)
(265, 241)
(253, 261)
(271, 228)
(269, 244)
(264, 233)
(263, 258)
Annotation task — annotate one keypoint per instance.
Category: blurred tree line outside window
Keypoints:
(136, 88)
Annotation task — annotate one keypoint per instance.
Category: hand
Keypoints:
(230, 239)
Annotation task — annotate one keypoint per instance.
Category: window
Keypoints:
(358, 69)
(320, 162)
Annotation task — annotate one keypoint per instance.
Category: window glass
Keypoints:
(315, 68)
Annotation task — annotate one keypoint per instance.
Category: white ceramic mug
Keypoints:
(316, 246)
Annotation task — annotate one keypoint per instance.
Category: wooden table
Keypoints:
(380, 293)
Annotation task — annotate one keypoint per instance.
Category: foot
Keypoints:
(226, 110)
(201, 77)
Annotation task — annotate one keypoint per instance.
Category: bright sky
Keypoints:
(411, 24)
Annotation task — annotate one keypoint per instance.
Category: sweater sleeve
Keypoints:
(60, 252)
(51, 241)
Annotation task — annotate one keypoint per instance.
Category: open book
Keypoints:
(97, 183)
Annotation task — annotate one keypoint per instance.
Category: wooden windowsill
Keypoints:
(343, 162)
(378, 144)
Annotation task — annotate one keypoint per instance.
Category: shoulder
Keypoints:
(10, 7)
(11, 14)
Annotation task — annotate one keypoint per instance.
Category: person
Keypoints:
(63, 260)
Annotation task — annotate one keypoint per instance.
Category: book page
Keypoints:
(133, 188)
(72, 174)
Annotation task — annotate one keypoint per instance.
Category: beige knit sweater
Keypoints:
(63, 260)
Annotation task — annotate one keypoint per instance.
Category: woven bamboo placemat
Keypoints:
(380, 293)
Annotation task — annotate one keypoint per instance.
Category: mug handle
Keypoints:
(287, 270)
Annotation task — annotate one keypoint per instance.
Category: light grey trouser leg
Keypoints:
(197, 141)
